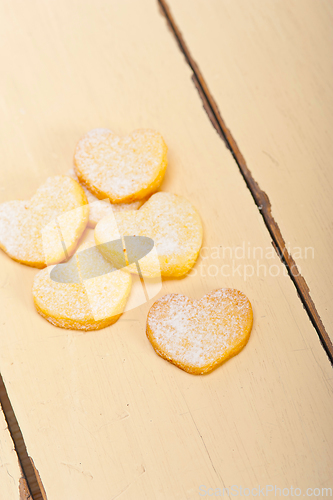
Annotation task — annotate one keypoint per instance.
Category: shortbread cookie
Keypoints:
(122, 169)
(170, 221)
(199, 335)
(85, 293)
(100, 208)
(29, 230)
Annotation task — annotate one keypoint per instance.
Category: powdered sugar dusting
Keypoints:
(90, 304)
(121, 168)
(101, 208)
(174, 225)
(199, 334)
(21, 222)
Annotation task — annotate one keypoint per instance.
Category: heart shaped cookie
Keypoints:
(170, 221)
(122, 169)
(199, 335)
(100, 208)
(85, 293)
(22, 223)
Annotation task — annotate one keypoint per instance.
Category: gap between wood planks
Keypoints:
(30, 486)
(260, 197)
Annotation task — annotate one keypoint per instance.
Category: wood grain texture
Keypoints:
(102, 415)
(10, 473)
(269, 68)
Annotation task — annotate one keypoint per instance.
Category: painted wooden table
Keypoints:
(12, 485)
(102, 416)
(269, 68)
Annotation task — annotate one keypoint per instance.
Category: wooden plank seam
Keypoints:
(260, 197)
(30, 480)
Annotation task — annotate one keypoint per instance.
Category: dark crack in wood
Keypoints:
(30, 482)
(260, 197)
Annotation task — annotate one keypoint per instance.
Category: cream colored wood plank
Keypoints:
(102, 415)
(10, 473)
(269, 67)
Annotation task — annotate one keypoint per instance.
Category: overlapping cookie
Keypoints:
(197, 336)
(170, 221)
(85, 293)
(29, 230)
(122, 169)
(100, 208)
